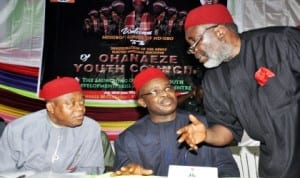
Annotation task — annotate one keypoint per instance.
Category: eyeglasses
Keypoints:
(193, 46)
(156, 92)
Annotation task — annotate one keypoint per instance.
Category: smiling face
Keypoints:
(67, 110)
(162, 105)
(211, 49)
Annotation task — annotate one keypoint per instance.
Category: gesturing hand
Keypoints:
(132, 169)
(193, 133)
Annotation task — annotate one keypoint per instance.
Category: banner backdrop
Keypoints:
(106, 43)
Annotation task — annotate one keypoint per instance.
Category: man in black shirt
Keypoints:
(252, 82)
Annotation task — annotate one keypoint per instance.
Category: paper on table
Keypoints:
(176, 171)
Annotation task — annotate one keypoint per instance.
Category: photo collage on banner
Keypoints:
(105, 43)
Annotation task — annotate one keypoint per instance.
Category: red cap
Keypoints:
(145, 76)
(140, 1)
(160, 3)
(208, 14)
(58, 87)
(117, 3)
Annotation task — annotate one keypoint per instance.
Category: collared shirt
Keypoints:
(33, 143)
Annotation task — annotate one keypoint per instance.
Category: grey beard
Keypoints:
(215, 59)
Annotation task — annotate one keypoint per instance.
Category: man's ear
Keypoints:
(50, 107)
(141, 101)
(220, 32)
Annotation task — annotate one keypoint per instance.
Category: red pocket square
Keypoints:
(262, 75)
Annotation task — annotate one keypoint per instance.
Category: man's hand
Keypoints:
(132, 169)
(193, 133)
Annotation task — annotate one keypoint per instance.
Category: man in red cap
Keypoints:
(57, 139)
(150, 145)
(160, 25)
(117, 17)
(139, 18)
(252, 84)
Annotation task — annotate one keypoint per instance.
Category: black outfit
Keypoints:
(155, 146)
(269, 113)
(2, 126)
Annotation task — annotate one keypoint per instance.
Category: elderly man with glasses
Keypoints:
(252, 83)
(150, 145)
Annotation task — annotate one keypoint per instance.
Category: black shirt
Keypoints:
(268, 113)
